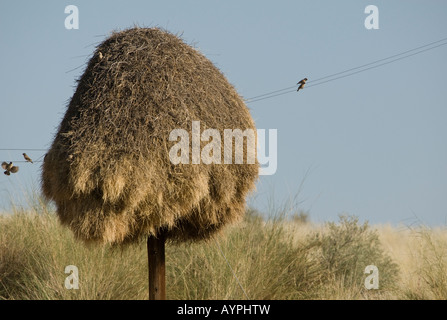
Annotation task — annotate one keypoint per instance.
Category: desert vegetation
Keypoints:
(278, 257)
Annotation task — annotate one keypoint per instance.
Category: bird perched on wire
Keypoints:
(301, 83)
(9, 167)
(28, 159)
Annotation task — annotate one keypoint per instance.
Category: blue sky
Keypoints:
(371, 144)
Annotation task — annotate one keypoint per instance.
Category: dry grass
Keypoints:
(108, 169)
(421, 254)
(273, 259)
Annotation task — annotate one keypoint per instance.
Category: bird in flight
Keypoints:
(301, 83)
(28, 159)
(9, 167)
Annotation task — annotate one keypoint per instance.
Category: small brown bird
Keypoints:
(9, 167)
(27, 158)
(301, 83)
(100, 55)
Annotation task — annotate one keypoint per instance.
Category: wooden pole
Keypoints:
(156, 262)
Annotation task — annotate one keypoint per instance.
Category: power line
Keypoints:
(380, 60)
(36, 160)
(283, 91)
(374, 63)
(268, 97)
(26, 149)
(19, 161)
(376, 66)
(266, 94)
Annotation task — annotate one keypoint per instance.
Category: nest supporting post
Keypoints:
(156, 262)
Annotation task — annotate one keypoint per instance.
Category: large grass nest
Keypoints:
(108, 169)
